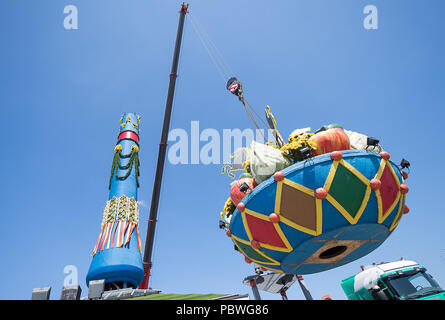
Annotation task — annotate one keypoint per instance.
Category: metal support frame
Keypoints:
(255, 291)
(147, 263)
(304, 288)
(283, 295)
(275, 283)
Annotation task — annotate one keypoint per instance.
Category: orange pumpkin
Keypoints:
(332, 139)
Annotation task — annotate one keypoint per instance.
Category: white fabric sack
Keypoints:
(265, 161)
(359, 141)
(299, 131)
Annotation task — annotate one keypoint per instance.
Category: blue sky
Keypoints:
(62, 93)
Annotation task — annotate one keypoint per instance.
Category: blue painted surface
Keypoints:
(118, 264)
(335, 227)
(125, 263)
(129, 186)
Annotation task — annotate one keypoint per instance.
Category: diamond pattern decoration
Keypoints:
(268, 234)
(388, 190)
(253, 254)
(298, 207)
(264, 231)
(389, 193)
(348, 190)
(398, 215)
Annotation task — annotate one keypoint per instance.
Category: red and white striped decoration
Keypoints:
(234, 87)
(121, 218)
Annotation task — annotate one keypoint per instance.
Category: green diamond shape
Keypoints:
(348, 190)
(251, 253)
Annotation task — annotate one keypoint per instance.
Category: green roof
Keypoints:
(163, 296)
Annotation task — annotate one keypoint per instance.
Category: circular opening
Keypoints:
(332, 252)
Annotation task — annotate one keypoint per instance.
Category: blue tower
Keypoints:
(117, 254)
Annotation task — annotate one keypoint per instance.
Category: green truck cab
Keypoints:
(399, 280)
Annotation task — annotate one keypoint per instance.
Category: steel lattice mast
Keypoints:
(147, 263)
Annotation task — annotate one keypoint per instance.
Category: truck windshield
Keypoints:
(414, 286)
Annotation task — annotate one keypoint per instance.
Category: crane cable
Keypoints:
(221, 64)
(224, 70)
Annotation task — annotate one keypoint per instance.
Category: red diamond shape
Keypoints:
(388, 190)
(264, 231)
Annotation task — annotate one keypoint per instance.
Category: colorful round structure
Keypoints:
(320, 213)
